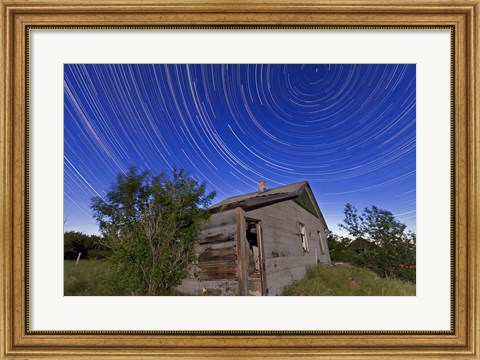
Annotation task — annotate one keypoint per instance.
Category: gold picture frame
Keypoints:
(18, 341)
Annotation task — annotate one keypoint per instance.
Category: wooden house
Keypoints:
(257, 243)
(361, 245)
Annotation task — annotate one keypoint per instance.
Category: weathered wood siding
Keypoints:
(284, 257)
(215, 271)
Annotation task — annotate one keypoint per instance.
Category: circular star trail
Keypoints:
(347, 129)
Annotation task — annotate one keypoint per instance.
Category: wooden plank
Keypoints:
(263, 281)
(217, 255)
(216, 276)
(225, 260)
(225, 272)
(207, 252)
(216, 238)
(220, 220)
(222, 229)
(214, 246)
(225, 268)
(242, 252)
(219, 270)
(221, 263)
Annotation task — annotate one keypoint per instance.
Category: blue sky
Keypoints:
(347, 129)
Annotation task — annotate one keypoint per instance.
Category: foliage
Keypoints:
(151, 223)
(331, 281)
(339, 249)
(392, 251)
(375, 224)
(90, 246)
(87, 278)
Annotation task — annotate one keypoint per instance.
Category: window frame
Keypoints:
(303, 236)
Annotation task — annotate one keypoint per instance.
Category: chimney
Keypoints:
(262, 186)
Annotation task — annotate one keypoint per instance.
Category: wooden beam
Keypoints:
(227, 254)
(212, 239)
(262, 258)
(242, 265)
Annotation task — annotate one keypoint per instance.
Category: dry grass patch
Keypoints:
(332, 281)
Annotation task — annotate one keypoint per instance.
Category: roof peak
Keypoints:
(261, 198)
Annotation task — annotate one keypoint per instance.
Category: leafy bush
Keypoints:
(151, 223)
(90, 246)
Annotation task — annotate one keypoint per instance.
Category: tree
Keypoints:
(338, 248)
(151, 223)
(394, 253)
(90, 246)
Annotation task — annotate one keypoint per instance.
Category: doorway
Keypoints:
(255, 267)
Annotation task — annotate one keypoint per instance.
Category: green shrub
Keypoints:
(151, 223)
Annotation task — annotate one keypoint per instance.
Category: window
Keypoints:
(322, 248)
(303, 236)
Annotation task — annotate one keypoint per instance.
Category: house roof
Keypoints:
(360, 242)
(298, 191)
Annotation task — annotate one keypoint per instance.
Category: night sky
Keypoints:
(347, 129)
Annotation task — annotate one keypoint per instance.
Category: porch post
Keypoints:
(242, 257)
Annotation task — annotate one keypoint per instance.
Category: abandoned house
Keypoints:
(257, 243)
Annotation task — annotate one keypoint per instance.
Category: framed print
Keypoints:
(231, 138)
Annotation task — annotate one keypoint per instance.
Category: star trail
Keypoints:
(347, 129)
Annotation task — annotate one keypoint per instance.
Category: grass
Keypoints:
(88, 278)
(331, 281)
